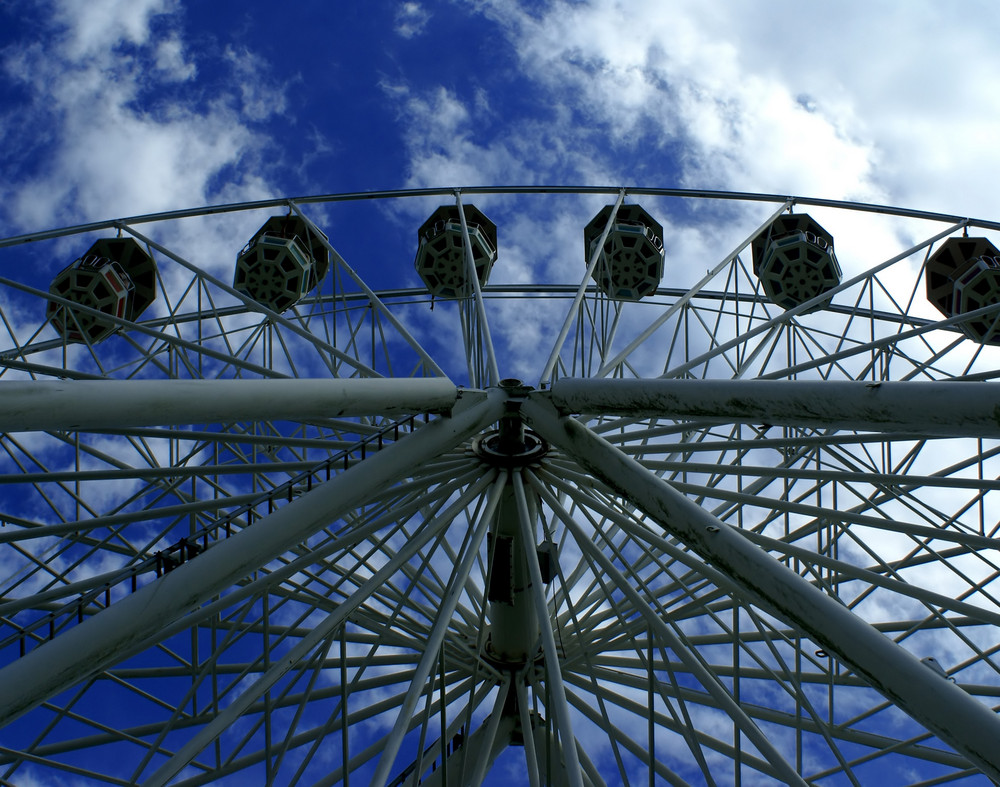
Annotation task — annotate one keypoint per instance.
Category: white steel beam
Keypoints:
(943, 408)
(470, 270)
(574, 309)
(373, 298)
(119, 404)
(364, 196)
(126, 626)
(676, 306)
(939, 705)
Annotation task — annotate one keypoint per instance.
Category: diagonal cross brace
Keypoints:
(956, 717)
(129, 625)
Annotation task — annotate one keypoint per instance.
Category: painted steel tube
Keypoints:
(120, 404)
(125, 627)
(574, 309)
(942, 707)
(470, 271)
(951, 409)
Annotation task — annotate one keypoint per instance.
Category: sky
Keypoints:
(117, 109)
(114, 108)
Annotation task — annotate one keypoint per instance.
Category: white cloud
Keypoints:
(260, 97)
(121, 140)
(94, 27)
(411, 19)
(451, 141)
(648, 77)
(837, 101)
(827, 102)
(170, 60)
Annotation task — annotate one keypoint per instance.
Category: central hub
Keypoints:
(512, 542)
(494, 448)
(511, 445)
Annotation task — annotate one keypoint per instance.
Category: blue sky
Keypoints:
(117, 109)
(125, 107)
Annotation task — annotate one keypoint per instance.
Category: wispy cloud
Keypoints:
(668, 84)
(411, 19)
(126, 133)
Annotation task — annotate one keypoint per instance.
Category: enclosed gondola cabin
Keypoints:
(794, 260)
(962, 277)
(281, 263)
(631, 262)
(440, 260)
(116, 278)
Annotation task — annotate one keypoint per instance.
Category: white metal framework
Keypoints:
(530, 534)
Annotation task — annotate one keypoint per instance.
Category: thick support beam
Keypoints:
(513, 619)
(127, 626)
(119, 404)
(950, 409)
(941, 706)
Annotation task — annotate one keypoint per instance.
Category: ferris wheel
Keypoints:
(285, 504)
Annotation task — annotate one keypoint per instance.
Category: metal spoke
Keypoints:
(730, 538)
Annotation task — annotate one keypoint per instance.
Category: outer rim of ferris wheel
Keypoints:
(524, 483)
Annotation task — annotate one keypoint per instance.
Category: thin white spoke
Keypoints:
(346, 612)
(373, 298)
(696, 667)
(574, 312)
(553, 676)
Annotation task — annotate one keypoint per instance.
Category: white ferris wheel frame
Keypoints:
(736, 561)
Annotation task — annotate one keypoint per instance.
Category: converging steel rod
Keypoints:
(574, 309)
(434, 640)
(470, 270)
(950, 409)
(253, 305)
(126, 627)
(688, 296)
(698, 669)
(553, 665)
(373, 298)
(226, 718)
(784, 317)
(938, 704)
